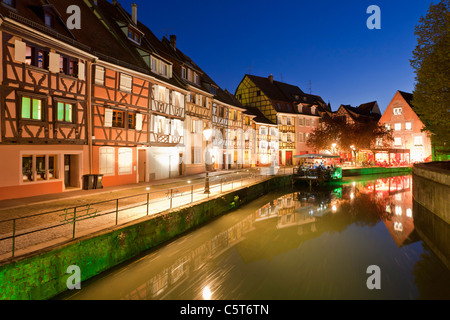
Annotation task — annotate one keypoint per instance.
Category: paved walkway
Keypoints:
(38, 222)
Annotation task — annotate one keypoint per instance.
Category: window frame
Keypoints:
(74, 105)
(32, 97)
(115, 122)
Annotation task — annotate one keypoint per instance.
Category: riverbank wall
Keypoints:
(350, 172)
(431, 206)
(47, 273)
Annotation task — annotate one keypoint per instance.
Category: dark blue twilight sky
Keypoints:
(326, 42)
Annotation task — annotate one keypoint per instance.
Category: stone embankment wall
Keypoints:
(43, 274)
(431, 206)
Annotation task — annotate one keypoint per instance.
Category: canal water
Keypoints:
(352, 240)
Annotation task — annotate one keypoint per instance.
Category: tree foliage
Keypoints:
(431, 63)
(345, 135)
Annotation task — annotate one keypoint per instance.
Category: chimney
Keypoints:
(134, 13)
(173, 41)
(271, 79)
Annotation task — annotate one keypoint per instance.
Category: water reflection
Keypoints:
(300, 245)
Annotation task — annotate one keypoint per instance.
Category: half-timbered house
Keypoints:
(138, 107)
(43, 109)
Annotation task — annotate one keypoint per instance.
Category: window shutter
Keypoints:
(20, 51)
(54, 62)
(167, 95)
(155, 92)
(138, 121)
(108, 117)
(81, 71)
(167, 126)
(181, 97)
(172, 127)
(188, 98)
(99, 75)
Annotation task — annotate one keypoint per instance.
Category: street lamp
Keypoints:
(207, 135)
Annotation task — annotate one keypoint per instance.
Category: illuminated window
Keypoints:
(397, 141)
(398, 126)
(397, 111)
(40, 167)
(118, 119)
(27, 168)
(388, 127)
(31, 108)
(131, 120)
(418, 141)
(134, 35)
(51, 166)
(64, 112)
(408, 126)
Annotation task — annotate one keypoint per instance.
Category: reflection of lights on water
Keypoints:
(207, 293)
(334, 208)
(352, 195)
(354, 183)
(409, 213)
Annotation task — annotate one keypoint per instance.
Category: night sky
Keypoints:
(323, 43)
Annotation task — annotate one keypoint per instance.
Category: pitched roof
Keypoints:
(407, 96)
(259, 116)
(286, 97)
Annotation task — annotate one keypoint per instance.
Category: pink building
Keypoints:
(406, 128)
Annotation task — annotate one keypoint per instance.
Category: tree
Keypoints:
(349, 137)
(431, 63)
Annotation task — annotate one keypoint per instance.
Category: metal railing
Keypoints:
(36, 231)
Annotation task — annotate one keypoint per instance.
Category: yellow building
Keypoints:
(284, 105)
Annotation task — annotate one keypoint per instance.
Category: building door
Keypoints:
(281, 158)
(67, 170)
(289, 158)
(180, 164)
(141, 164)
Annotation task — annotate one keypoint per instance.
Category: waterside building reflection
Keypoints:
(307, 214)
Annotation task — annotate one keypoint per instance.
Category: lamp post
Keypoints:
(207, 135)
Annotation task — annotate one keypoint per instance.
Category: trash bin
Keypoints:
(88, 181)
(98, 181)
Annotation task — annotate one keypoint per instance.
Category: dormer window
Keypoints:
(49, 20)
(183, 73)
(11, 3)
(134, 35)
(196, 78)
(161, 67)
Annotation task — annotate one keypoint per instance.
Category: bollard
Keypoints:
(74, 221)
(117, 211)
(13, 236)
(148, 198)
